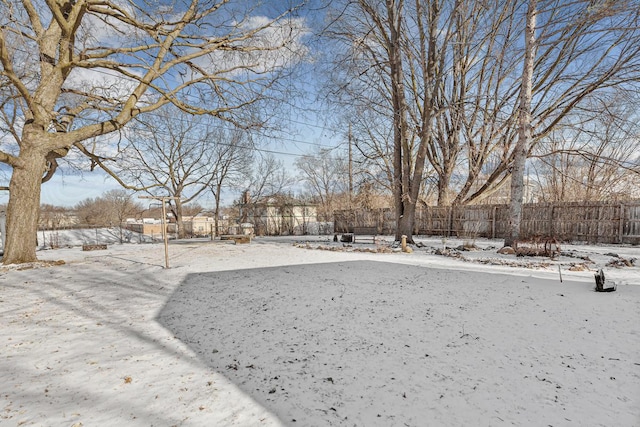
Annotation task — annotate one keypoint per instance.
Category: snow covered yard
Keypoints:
(271, 334)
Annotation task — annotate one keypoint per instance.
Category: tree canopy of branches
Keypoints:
(268, 179)
(172, 153)
(109, 210)
(73, 71)
(434, 88)
(593, 157)
(325, 177)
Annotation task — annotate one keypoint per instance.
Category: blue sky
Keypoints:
(68, 188)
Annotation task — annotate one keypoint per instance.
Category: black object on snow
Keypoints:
(601, 283)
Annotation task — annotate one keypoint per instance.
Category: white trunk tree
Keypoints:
(524, 127)
(462, 92)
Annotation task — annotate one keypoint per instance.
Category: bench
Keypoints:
(237, 238)
(365, 231)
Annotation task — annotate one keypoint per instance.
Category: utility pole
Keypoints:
(163, 200)
(350, 169)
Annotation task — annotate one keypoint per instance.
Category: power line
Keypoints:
(261, 134)
(262, 150)
(280, 138)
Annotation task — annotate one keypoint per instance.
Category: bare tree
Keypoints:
(92, 212)
(372, 147)
(269, 178)
(475, 98)
(446, 52)
(52, 217)
(325, 177)
(595, 155)
(549, 57)
(233, 160)
(446, 78)
(400, 70)
(76, 70)
(524, 127)
(109, 210)
(173, 153)
(583, 50)
(121, 205)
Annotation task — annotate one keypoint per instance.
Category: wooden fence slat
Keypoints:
(592, 222)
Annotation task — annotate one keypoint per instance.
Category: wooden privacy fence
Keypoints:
(592, 222)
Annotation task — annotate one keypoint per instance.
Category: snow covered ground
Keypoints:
(319, 334)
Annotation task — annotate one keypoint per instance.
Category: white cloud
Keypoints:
(277, 46)
(101, 82)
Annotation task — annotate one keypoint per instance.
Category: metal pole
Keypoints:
(350, 169)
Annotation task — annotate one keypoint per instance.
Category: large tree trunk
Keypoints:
(400, 180)
(179, 222)
(406, 222)
(517, 193)
(24, 208)
(216, 214)
(443, 187)
(524, 130)
(216, 197)
(412, 171)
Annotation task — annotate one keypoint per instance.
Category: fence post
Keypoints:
(599, 224)
(621, 224)
(551, 231)
(493, 222)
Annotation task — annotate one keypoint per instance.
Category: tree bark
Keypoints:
(524, 129)
(406, 223)
(443, 187)
(179, 221)
(400, 178)
(214, 232)
(216, 212)
(23, 207)
(413, 168)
